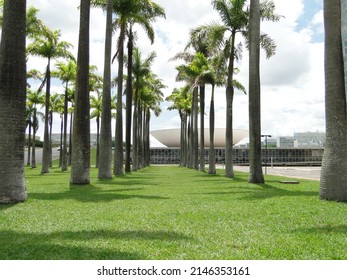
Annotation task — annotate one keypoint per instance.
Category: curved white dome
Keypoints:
(171, 137)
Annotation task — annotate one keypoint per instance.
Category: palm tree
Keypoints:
(105, 154)
(334, 164)
(35, 98)
(200, 42)
(48, 46)
(151, 97)
(96, 104)
(190, 73)
(182, 101)
(80, 164)
(129, 12)
(235, 18)
(66, 72)
(255, 172)
(12, 102)
(56, 106)
(34, 26)
(28, 122)
(141, 69)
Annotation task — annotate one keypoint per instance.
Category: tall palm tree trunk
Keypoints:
(211, 154)
(333, 183)
(140, 135)
(97, 141)
(146, 138)
(29, 142)
(135, 134)
(50, 138)
(33, 156)
(46, 157)
(190, 142)
(202, 128)
(80, 163)
(195, 130)
(64, 154)
(12, 102)
(229, 170)
(185, 140)
(128, 106)
(182, 142)
(70, 139)
(256, 173)
(118, 155)
(61, 141)
(105, 156)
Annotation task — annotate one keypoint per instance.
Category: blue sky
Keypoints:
(311, 8)
(292, 81)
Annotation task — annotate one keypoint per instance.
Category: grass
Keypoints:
(171, 213)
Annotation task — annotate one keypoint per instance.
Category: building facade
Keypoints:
(309, 139)
(285, 142)
(272, 156)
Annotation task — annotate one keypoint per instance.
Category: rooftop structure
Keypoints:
(171, 137)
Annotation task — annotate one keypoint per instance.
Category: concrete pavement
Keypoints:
(301, 172)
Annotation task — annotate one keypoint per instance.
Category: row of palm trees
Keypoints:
(147, 96)
(210, 58)
(13, 85)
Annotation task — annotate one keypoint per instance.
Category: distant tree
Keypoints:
(66, 72)
(12, 102)
(96, 105)
(34, 98)
(56, 106)
(48, 46)
(182, 102)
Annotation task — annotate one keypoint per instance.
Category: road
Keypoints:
(38, 154)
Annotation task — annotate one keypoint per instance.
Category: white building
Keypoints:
(56, 138)
(285, 142)
(309, 139)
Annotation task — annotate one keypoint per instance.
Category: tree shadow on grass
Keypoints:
(263, 191)
(90, 193)
(324, 229)
(77, 245)
(126, 181)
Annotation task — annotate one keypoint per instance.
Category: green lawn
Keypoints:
(171, 213)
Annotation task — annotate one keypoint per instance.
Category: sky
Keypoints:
(292, 91)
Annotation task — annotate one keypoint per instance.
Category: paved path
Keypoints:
(38, 154)
(306, 172)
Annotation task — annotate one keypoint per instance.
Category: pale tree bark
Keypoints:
(129, 99)
(202, 128)
(80, 164)
(195, 132)
(256, 173)
(105, 156)
(46, 157)
(118, 151)
(333, 183)
(229, 168)
(12, 102)
(211, 154)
